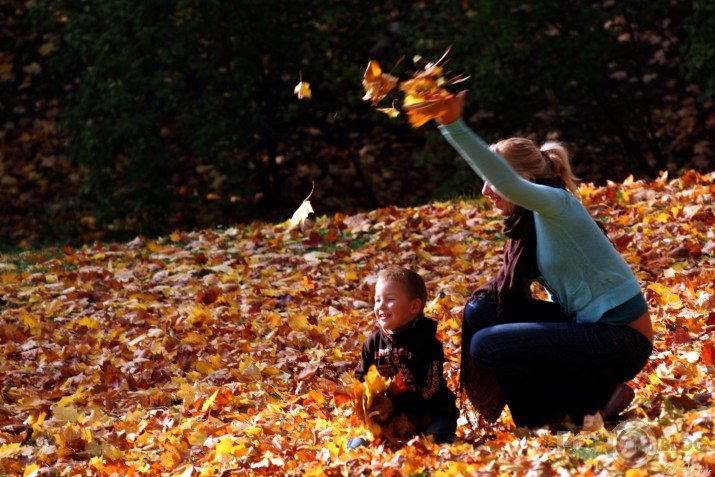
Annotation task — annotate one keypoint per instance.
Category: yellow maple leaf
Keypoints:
(365, 393)
(30, 470)
(68, 414)
(302, 89)
(89, 323)
(392, 112)
(298, 322)
(8, 278)
(10, 450)
(666, 295)
(31, 322)
(426, 86)
(196, 438)
(209, 402)
(194, 338)
(204, 367)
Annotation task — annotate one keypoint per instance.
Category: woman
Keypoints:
(569, 355)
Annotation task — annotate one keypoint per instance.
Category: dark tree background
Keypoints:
(122, 118)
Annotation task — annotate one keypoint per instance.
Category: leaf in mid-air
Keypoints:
(300, 216)
(377, 84)
(427, 84)
(392, 111)
(302, 89)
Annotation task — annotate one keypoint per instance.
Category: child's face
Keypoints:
(393, 306)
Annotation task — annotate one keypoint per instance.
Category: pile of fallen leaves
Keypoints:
(228, 352)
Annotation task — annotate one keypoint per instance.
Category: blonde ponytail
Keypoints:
(559, 160)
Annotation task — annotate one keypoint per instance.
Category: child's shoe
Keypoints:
(355, 442)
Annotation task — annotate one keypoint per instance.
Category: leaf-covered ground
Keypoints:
(222, 352)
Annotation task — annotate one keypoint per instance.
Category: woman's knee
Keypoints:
(480, 348)
(479, 313)
(496, 346)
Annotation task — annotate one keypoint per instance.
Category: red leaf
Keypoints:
(208, 296)
(708, 354)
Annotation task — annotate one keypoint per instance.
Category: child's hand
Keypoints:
(382, 408)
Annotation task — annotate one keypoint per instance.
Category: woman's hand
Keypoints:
(445, 110)
(453, 108)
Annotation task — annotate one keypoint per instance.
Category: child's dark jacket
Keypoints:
(415, 352)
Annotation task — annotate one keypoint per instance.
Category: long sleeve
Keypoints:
(367, 360)
(491, 167)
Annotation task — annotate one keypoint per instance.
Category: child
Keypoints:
(405, 344)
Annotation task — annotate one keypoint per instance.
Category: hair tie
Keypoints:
(545, 155)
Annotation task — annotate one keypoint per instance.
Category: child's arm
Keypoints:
(367, 360)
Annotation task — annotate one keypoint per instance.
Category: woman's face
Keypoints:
(504, 206)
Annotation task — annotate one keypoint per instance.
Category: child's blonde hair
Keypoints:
(413, 281)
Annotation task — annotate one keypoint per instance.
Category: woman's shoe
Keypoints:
(620, 399)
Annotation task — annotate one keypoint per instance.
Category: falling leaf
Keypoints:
(377, 84)
(302, 89)
(426, 86)
(391, 112)
(302, 213)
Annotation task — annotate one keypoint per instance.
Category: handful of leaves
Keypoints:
(368, 395)
(426, 85)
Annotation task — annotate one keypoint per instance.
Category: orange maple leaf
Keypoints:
(426, 86)
(307, 283)
(376, 83)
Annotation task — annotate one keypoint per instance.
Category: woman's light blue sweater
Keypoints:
(579, 266)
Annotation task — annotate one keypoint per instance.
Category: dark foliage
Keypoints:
(140, 118)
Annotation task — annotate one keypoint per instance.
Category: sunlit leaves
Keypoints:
(231, 351)
(426, 84)
(377, 84)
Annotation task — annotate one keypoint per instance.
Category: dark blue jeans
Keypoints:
(545, 363)
(442, 427)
